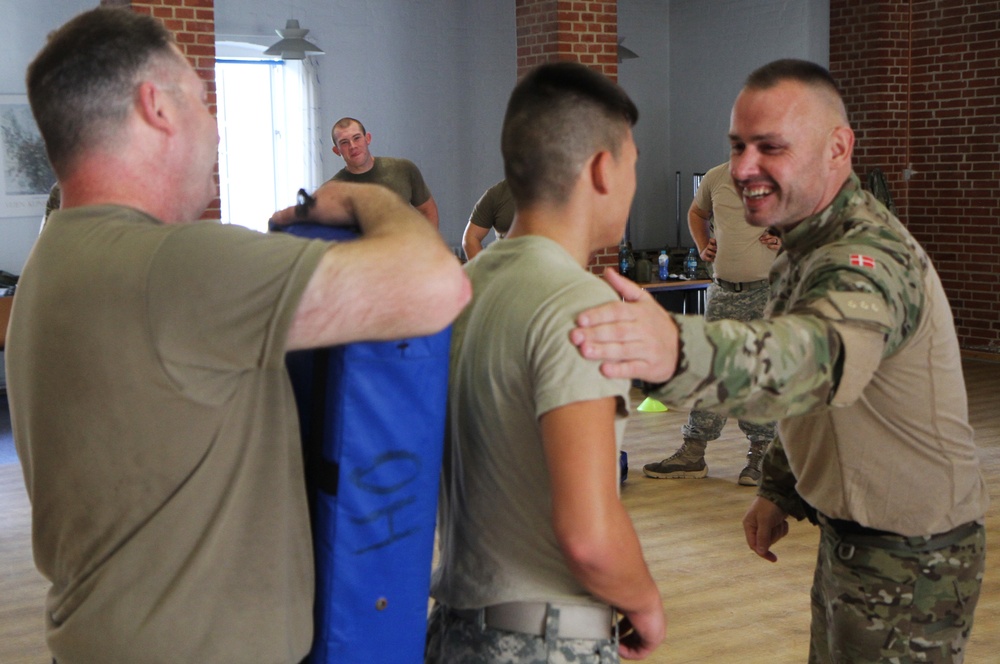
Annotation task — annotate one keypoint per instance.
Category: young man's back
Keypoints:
(510, 364)
(538, 555)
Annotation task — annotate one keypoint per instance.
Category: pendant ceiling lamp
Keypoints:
(292, 45)
(624, 52)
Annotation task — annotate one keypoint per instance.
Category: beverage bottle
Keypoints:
(691, 263)
(626, 260)
(664, 263)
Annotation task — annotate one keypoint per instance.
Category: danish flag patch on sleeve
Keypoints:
(863, 261)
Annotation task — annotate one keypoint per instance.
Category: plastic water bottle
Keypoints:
(691, 263)
(626, 260)
(664, 262)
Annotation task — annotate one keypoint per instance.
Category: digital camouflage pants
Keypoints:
(745, 306)
(872, 604)
(454, 640)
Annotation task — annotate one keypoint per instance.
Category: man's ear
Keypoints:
(598, 166)
(842, 144)
(336, 151)
(151, 101)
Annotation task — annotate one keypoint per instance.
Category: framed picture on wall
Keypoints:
(25, 174)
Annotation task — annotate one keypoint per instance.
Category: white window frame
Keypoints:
(265, 159)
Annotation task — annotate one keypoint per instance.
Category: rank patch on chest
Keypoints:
(863, 261)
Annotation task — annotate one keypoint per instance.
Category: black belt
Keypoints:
(851, 532)
(740, 286)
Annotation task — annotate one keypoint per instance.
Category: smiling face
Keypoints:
(352, 143)
(790, 152)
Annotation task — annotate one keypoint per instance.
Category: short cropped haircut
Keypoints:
(81, 85)
(801, 71)
(344, 123)
(559, 115)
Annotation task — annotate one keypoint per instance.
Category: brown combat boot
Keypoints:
(688, 462)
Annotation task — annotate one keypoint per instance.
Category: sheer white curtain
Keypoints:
(312, 120)
(269, 140)
(298, 146)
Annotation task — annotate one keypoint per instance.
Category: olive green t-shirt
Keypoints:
(495, 209)
(400, 175)
(159, 438)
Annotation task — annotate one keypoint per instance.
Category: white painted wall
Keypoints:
(430, 79)
(22, 33)
(693, 58)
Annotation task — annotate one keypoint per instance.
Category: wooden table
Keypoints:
(681, 285)
(5, 303)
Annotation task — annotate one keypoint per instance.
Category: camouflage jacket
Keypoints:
(849, 276)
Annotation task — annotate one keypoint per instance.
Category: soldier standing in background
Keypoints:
(351, 141)
(742, 258)
(858, 358)
(493, 211)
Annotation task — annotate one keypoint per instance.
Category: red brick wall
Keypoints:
(192, 23)
(922, 86)
(551, 30)
(586, 32)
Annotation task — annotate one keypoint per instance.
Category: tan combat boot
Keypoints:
(688, 462)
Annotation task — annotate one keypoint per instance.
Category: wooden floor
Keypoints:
(723, 603)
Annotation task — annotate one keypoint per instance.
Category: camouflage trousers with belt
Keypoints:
(745, 306)
(455, 640)
(875, 604)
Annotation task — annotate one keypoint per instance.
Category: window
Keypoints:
(268, 144)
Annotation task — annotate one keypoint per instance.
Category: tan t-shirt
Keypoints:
(741, 257)
(511, 362)
(159, 438)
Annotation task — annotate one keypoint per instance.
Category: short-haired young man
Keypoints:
(538, 555)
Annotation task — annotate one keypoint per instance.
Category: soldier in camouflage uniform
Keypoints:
(741, 256)
(858, 357)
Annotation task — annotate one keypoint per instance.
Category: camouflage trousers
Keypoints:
(745, 306)
(896, 605)
(455, 640)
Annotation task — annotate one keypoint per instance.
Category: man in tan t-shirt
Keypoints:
(742, 257)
